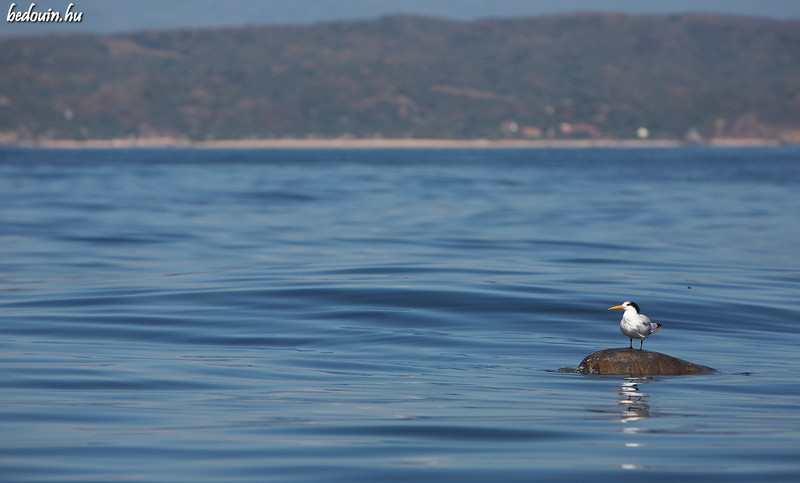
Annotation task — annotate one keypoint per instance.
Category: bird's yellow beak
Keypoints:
(616, 307)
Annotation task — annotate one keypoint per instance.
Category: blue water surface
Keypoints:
(395, 315)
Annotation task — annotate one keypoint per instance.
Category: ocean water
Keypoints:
(395, 315)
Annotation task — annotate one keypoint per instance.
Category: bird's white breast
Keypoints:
(634, 325)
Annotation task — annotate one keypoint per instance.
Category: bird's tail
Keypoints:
(655, 327)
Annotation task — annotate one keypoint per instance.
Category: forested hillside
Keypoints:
(574, 76)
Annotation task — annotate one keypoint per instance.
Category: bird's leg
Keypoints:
(631, 344)
(641, 343)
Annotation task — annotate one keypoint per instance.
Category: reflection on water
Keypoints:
(633, 401)
(635, 406)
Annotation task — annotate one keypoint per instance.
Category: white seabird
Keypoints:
(634, 324)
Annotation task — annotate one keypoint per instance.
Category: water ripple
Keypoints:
(373, 315)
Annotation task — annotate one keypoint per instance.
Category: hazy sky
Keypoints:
(119, 16)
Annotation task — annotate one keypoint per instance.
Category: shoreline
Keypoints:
(408, 143)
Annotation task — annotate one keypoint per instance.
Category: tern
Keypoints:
(634, 324)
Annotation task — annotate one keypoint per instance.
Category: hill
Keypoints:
(572, 76)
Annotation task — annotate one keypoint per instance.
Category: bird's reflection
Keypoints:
(633, 400)
(635, 405)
